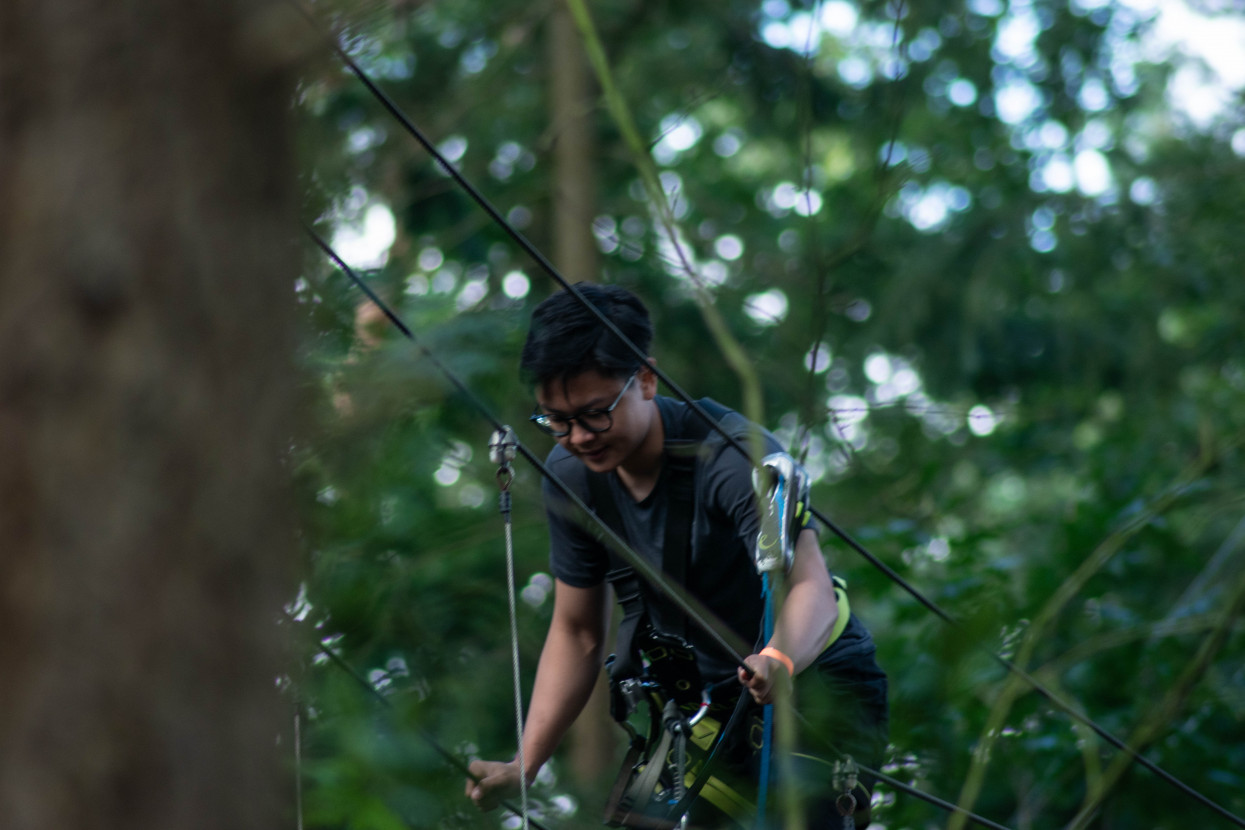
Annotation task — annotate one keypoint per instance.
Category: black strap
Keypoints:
(614, 813)
(637, 602)
(630, 593)
(640, 792)
(677, 544)
(628, 587)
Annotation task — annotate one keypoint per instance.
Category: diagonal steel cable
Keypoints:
(655, 577)
(723, 636)
(546, 266)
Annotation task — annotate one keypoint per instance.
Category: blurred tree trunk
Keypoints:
(145, 398)
(572, 110)
(572, 107)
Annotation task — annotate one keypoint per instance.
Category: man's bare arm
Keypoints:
(569, 664)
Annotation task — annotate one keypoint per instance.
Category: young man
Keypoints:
(616, 439)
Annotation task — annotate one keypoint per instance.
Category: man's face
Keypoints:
(631, 418)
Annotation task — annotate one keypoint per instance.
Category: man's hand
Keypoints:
(767, 672)
(499, 780)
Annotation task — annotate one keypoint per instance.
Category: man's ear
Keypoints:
(648, 379)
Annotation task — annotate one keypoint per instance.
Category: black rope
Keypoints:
(730, 642)
(907, 789)
(655, 576)
(890, 573)
(532, 251)
(707, 772)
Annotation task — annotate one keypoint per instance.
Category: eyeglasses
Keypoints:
(593, 420)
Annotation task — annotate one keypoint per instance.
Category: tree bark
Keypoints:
(572, 107)
(146, 323)
(593, 738)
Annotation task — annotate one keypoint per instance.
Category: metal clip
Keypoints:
(845, 775)
(702, 710)
(502, 448)
(782, 487)
(631, 692)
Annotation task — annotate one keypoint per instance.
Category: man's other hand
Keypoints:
(766, 674)
(498, 780)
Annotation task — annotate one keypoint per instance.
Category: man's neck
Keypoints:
(640, 471)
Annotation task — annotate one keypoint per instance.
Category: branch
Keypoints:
(732, 352)
(1016, 686)
(1150, 729)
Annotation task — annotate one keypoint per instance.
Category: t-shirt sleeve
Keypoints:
(575, 556)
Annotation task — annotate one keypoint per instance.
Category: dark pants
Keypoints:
(844, 703)
(842, 698)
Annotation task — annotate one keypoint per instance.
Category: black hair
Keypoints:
(567, 339)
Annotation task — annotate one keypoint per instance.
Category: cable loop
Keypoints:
(635, 560)
(543, 262)
(846, 772)
(502, 448)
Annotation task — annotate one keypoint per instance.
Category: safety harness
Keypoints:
(653, 670)
(653, 666)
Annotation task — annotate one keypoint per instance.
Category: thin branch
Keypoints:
(1016, 685)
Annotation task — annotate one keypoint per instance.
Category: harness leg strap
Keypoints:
(641, 791)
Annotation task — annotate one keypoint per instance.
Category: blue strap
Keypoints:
(767, 632)
(767, 729)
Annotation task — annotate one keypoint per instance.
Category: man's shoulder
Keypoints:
(728, 427)
(682, 423)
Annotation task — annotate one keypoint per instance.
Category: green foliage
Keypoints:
(1020, 368)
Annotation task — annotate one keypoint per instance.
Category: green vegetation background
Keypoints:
(1100, 332)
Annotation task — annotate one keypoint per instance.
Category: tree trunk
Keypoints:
(572, 107)
(592, 739)
(145, 398)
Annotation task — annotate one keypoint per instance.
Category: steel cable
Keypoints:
(671, 591)
(843, 535)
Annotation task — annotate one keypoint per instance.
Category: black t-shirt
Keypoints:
(720, 572)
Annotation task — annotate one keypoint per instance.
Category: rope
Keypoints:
(502, 452)
(767, 721)
(298, 770)
(907, 789)
(646, 570)
(651, 576)
(514, 655)
(723, 636)
(621, 549)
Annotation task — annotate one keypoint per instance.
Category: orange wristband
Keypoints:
(788, 663)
